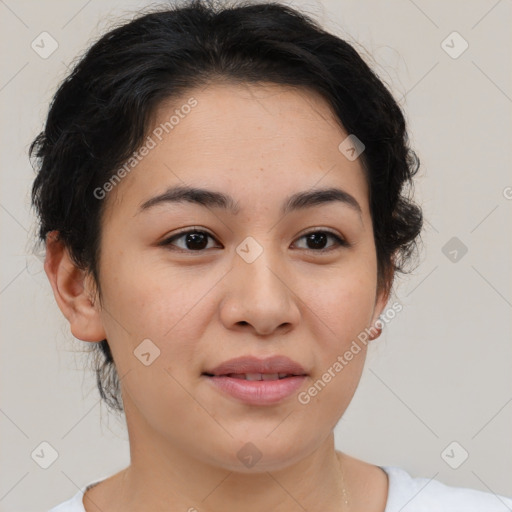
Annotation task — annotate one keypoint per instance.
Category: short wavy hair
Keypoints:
(101, 113)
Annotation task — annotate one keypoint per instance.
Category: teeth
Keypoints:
(258, 376)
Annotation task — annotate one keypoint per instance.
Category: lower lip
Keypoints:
(258, 392)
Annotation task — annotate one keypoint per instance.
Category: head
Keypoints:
(198, 203)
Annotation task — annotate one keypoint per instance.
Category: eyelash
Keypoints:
(168, 241)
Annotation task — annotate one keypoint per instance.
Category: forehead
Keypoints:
(258, 140)
(248, 115)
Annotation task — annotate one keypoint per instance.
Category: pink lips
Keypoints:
(229, 377)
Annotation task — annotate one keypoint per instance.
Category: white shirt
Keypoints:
(405, 494)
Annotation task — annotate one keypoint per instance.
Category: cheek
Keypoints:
(340, 306)
(342, 310)
(156, 303)
(153, 328)
(148, 297)
(340, 301)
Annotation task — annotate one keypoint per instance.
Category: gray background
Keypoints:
(441, 371)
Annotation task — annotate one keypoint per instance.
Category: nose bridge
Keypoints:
(257, 266)
(258, 294)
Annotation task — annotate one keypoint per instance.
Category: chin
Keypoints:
(260, 454)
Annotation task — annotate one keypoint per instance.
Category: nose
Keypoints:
(259, 297)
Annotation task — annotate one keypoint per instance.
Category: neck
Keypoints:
(160, 476)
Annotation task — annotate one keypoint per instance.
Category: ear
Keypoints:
(380, 303)
(73, 290)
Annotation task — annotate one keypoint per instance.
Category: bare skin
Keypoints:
(260, 145)
(366, 485)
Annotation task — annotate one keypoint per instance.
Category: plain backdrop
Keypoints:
(437, 385)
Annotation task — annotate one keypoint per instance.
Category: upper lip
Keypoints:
(251, 364)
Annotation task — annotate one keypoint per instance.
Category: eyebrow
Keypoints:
(213, 199)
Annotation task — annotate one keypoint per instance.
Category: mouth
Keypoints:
(256, 381)
(256, 376)
(256, 389)
(250, 367)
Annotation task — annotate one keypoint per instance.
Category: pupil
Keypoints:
(318, 240)
(196, 238)
(199, 240)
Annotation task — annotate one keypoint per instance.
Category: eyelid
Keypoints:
(340, 239)
(189, 229)
(319, 230)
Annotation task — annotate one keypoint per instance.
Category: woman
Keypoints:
(221, 194)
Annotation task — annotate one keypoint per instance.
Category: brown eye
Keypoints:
(317, 241)
(192, 240)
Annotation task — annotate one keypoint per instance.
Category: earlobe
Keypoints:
(380, 304)
(73, 291)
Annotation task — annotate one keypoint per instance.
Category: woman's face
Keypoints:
(253, 285)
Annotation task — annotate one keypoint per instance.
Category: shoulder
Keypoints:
(75, 503)
(408, 494)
